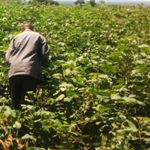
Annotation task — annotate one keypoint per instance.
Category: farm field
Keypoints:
(96, 93)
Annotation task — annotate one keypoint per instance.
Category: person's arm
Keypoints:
(9, 51)
(45, 51)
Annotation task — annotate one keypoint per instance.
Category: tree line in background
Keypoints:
(52, 2)
(80, 2)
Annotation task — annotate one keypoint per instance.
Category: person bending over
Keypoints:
(27, 52)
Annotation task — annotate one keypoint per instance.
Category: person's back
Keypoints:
(25, 55)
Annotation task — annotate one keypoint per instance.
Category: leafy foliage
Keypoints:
(51, 2)
(96, 90)
(81, 2)
(92, 2)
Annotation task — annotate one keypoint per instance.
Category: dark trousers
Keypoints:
(19, 85)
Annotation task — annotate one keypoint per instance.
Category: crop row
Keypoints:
(96, 89)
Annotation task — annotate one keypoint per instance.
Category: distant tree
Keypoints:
(102, 2)
(42, 1)
(13, 1)
(92, 2)
(54, 3)
(51, 2)
(81, 2)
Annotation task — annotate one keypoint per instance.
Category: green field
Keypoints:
(96, 93)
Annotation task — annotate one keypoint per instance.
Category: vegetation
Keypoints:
(51, 2)
(81, 2)
(96, 94)
(54, 3)
(92, 2)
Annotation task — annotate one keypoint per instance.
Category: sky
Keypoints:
(107, 0)
(111, 1)
(128, 2)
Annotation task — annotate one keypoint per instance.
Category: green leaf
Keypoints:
(147, 140)
(9, 112)
(93, 91)
(68, 99)
(67, 72)
(104, 108)
(133, 100)
(70, 93)
(35, 148)
(60, 97)
(85, 136)
(57, 121)
(131, 128)
(28, 137)
(104, 139)
(96, 144)
(108, 68)
(17, 125)
(143, 45)
(115, 97)
(120, 80)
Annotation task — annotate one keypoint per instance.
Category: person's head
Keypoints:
(27, 26)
